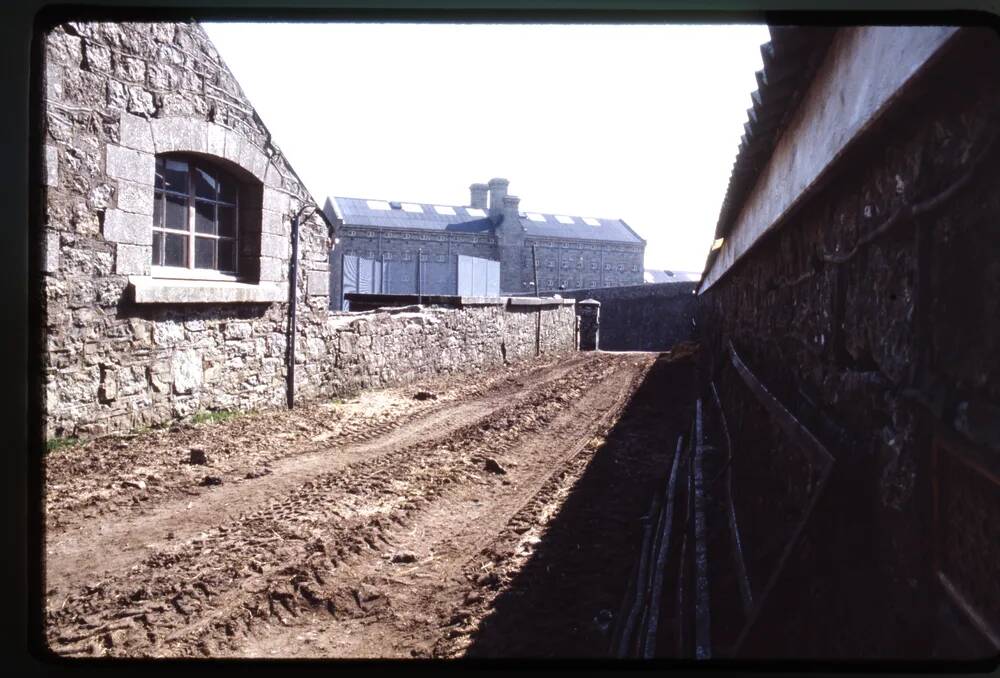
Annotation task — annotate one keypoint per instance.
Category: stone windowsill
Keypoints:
(150, 290)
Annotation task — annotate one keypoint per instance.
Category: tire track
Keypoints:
(231, 576)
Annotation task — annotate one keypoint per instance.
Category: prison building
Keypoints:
(486, 248)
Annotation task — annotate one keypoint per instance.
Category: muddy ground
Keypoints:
(498, 518)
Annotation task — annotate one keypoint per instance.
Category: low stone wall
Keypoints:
(389, 346)
(649, 317)
(175, 361)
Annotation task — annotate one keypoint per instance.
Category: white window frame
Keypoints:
(189, 272)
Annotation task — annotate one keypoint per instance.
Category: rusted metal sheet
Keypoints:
(966, 530)
(815, 453)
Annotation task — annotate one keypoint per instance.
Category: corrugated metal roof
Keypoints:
(357, 212)
(790, 61)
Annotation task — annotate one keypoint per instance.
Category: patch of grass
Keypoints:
(213, 416)
(346, 398)
(53, 444)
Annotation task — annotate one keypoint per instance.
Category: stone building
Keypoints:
(483, 248)
(166, 247)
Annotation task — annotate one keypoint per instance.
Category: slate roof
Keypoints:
(607, 230)
(356, 212)
(790, 61)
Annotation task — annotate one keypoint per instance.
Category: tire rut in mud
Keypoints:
(268, 564)
(73, 554)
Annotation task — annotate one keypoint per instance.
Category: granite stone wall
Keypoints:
(647, 317)
(116, 95)
(371, 349)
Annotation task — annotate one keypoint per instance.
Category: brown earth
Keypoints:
(494, 519)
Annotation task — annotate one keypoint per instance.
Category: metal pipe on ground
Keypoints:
(649, 642)
(644, 556)
(702, 611)
(746, 592)
(648, 601)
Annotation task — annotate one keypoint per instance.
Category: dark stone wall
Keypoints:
(649, 317)
(579, 264)
(882, 350)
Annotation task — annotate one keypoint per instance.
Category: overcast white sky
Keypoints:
(638, 122)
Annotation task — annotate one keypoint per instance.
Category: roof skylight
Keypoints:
(591, 221)
(475, 212)
(536, 217)
(378, 205)
(444, 209)
(413, 207)
(564, 220)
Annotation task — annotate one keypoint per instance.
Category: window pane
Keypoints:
(204, 253)
(204, 216)
(158, 209)
(176, 212)
(159, 173)
(175, 175)
(204, 184)
(227, 255)
(175, 252)
(227, 221)
(227, 190)
(157, 249)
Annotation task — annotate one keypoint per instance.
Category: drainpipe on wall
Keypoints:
(293, 279)
(534, 266)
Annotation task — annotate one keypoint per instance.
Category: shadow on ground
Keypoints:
(582, 564)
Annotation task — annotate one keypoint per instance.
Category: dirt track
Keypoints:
(375, 528)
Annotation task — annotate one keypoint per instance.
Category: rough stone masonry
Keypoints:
(124, 348)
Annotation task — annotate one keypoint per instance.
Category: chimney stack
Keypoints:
(478, 192)
(498, 189)
(510, 208)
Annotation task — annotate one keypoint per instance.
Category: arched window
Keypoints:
(195, 219)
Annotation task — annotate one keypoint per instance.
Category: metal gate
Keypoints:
(478, 277)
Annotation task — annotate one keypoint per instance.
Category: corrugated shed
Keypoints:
(790, 61)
